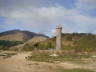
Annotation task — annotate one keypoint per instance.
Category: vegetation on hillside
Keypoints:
(15, 37)
(76, 42)
(5, 45)
(39, 46)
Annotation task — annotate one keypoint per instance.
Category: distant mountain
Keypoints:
(19, 38)
(18, 35)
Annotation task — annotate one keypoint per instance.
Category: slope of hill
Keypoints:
(37, 39)
(70, 42)
(18, 35)
(26, 46)
(15, 37)
(81, 42)
(29, 41)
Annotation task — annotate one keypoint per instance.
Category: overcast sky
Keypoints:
(42, 16)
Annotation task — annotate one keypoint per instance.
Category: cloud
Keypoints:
(86, 4)
(44, 18)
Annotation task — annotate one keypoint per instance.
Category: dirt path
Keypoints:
(18, 63)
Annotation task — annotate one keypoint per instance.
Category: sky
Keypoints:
(42, 16)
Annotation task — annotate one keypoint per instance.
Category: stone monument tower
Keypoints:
(58, 37)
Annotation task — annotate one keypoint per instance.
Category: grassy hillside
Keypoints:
(18, 35)
(15, 37)
(76, 42)
(5, 45)
(79, 42)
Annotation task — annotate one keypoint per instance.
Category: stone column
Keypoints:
(58, 38)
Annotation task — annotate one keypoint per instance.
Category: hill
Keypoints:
(25, 40)
(76, 42)
(29, 45)
(16, 37)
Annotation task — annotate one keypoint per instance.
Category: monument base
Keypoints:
(58, 52)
